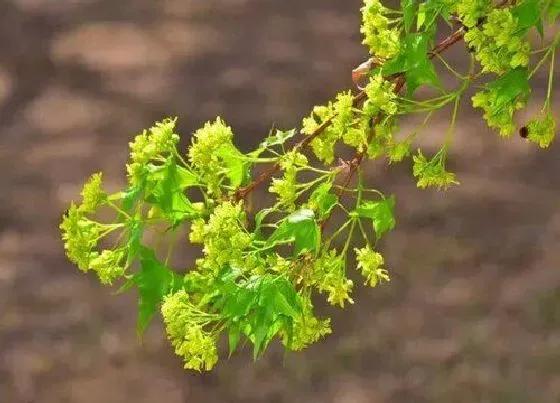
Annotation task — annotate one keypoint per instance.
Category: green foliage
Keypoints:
(432, 173)
(260, 274)
(381, 39)
(381, 214)
(260, 307)
(552, 10)
(414, 61)
(370, 263)
(542, 129)
(501, 42)
(502, 97)
(299, 228)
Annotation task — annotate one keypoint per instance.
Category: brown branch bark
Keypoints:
(242, 192)
(356, 161)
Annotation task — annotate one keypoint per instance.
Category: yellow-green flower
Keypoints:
(182, 323)
(383, 42)
(80, 236)
(158, 141)
(432, 173)
(370, 262)
(498, 115)
(307, 328)
(329, 277)
(225, 236)
(542, 130)
(499, 44)
(381, 97)
(92, 194)
(108, 265)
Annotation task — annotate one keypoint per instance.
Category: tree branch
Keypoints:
(242, 192)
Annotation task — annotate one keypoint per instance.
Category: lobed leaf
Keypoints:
(381, 214)
(414, 62)
(300, 228)
(154, 281)
(323, 200)
(167, 184)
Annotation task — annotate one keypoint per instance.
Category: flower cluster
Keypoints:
(206, 141)
(370, 262)
(499, 44)
(382, 41)
(256, 279)
(397, 151)
(108, 265)
(183, 324)
(497, 112)
(432, 173)
(204, 151)
(344, 122)
(279, 264)
(80, 236)
(542, 130)
(322, 145)
(342, 114)
(383, 141)
(92, 194)
(157, 142)
(329, 275)
(381, 97)
(308, 328)
(345, 126)
(472, 11)
(286, 187)
(224, 236)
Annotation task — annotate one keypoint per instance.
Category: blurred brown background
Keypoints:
(472, 313)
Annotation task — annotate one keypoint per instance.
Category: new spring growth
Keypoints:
(260, 273)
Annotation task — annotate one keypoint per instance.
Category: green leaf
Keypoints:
(510, 86)
(235, 299)
(134, 233)
(277, 301)
(236, 166)
(414, 62)
(281, 296)
(260, 328)
(165, 189)
(428, 11)
(322, 200)
(553, 11)
(278, 138)
(410, 8)
(129, 197)
(420, 69)
(528, 14)
(241, 304)
(257, 307)
(259, 217)
(154, 281)
(421, 16)
(186, 178)
(300, 228)
(128, 284)
(381, 213)
(234, 335)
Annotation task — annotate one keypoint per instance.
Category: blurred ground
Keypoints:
(473, 310)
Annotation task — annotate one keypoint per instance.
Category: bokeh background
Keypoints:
(473, 310)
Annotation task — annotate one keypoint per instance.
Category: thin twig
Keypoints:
(242, 192)
(399, 85)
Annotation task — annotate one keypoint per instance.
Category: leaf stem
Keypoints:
(242, 192)
(550, 80)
